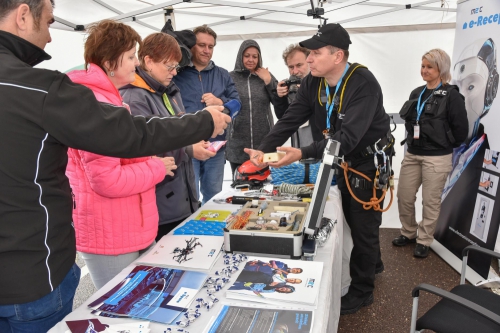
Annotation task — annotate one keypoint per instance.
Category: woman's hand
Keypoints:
(264, 74)
(169, 163)
(200, 151)
(256, 156)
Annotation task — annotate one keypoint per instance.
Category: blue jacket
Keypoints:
(213, 79)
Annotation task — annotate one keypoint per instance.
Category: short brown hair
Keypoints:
(160, 47)
(292, 49)
(36, 8)
(206, 30)
(107, 40)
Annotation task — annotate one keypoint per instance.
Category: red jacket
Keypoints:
(114, 208)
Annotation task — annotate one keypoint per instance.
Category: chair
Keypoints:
(463, 309)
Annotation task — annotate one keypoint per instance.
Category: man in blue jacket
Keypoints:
(201, 85)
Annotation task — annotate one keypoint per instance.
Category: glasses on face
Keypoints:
(171, 68)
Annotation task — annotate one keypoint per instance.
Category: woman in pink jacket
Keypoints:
(115, 214)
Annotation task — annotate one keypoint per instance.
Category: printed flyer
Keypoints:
(152, 293)
(236, 319)
(275, 281)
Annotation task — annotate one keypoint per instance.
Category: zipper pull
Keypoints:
(199, 77)
(74, 200)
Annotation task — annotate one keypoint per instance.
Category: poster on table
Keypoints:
(277, 281)
(151, 293)
(469, 215)
(237, 319)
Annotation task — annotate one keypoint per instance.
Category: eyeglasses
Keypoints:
(171, 68)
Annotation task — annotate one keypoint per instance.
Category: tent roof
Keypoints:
(264, 18)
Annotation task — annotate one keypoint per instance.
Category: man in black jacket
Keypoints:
(357, 122)
(42, 113)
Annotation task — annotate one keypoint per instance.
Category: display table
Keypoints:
(327, 311)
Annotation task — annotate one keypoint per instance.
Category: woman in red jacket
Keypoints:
(115, 212)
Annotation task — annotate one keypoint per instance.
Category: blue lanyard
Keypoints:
(329, 106)
(420, 106)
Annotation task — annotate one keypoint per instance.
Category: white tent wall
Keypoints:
(393, 57)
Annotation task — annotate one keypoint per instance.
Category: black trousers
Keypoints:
(364, 226)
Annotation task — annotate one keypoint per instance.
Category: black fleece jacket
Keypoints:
(364, 120)
(42, 113)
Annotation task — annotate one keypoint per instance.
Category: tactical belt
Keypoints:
(359, 183)
(385, 144)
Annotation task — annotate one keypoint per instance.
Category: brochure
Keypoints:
(94, 326)
(193, 252)
(202, 228)
(152, 293)
(213, 215)
(237, 319)
(277, 281)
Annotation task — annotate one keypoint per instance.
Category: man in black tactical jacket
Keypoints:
(358, 124)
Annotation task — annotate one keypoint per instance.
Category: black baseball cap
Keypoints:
(330, 34)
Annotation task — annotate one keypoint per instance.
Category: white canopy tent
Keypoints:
(388, 36)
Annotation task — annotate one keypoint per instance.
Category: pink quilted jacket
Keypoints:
(114, 198)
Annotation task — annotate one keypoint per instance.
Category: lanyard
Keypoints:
(168, 105)
(330, 103)
(420, 106)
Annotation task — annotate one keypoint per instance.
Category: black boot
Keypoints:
(403, 240)
(421, 251)
(350, 304)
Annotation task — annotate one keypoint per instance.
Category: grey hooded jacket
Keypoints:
(176, 197)
(255, 119)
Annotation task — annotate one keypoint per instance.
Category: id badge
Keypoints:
(416, 131)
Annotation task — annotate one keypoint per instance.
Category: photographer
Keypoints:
(295, 59)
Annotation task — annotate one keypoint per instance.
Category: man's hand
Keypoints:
(264, 74)
(256, 156)
(209, 99)
(169, 163)
(282, 89)
(200, 151)
(292, 155)
(220, 119)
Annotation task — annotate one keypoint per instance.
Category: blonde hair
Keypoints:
(441, 60)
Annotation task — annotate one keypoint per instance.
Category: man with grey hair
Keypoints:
(358, 121)
(42, 113)
(295, 57)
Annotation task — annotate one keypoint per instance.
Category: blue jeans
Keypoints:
(44, 313)
(209, 175)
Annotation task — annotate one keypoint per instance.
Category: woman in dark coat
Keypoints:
(256, 87)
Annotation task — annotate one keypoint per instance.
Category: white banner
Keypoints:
(469, 214)
(475, 67)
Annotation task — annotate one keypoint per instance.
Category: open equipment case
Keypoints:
(302, 219)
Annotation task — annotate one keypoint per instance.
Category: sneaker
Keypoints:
(421, 251)
(350, 304)
(403, 240)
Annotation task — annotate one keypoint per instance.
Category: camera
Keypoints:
(291, 81)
